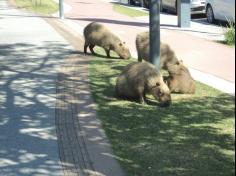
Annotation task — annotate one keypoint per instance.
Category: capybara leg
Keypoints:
(107, 52)
(139, 58)
(142, 100)
(91, 49)
(85, 48)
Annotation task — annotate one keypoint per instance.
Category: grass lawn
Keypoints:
(195, 136)
(230, 34)
(128, 11)
(43, 7)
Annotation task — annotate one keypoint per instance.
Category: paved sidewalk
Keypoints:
(209, 62)
(31, 53)
(48, 123)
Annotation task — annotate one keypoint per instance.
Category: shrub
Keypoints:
(230, 34)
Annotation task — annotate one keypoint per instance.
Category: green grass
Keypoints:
(128, 11)
(230, 34)
(195, 136)
(43, 7)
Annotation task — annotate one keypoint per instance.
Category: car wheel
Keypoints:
(210, 14)
(131, 2)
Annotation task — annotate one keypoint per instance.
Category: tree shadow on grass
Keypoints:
(194, 136)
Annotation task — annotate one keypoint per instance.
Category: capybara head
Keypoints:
(181, 81)
(162, 94)
(122, 50)
(175, 67)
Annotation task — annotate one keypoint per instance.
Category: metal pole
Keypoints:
(155, 33)
(61, 9)
(184, 13)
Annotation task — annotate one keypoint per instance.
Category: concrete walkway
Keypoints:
(48, 123)
(31, 53)
(209, 62)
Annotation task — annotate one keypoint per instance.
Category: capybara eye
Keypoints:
(157, 84)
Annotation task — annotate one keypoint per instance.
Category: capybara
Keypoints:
(168, 58)
(181, 82)
(180, 78)
(139, 78)
(96, 34)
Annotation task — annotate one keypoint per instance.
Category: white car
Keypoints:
(223, 10)
(197, 6)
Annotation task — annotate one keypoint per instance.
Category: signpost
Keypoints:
(184, 14)
(61, 9)
(155, 33)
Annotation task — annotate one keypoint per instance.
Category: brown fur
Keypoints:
(96, 34)
(182, 82)
(137, 79)
(180, 79)
(169, 60)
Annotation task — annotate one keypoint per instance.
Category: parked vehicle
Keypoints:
(197, 6)
(223, 10)
(142, 3)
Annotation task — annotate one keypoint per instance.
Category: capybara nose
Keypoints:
(165, 104)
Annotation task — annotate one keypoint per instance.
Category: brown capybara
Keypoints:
(168, 58)
(139, 78)
(177, 71)
(181, 82)
(96, 34)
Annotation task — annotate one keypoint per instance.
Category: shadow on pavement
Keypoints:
(175, 28)
(103, 20)
(28, 143)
